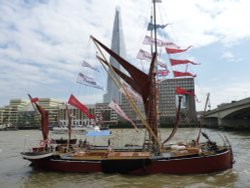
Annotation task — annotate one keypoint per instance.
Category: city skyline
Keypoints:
(42, 44)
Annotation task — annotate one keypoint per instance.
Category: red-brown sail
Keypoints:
(141, 82)
(44, 117)
(44, 121)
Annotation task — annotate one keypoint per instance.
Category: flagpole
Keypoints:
(202, 118)
(32, 103)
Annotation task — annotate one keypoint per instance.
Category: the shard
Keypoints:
(118, 46)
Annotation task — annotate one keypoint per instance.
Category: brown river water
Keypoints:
(16, 172)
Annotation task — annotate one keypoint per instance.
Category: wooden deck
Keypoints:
(101, 155)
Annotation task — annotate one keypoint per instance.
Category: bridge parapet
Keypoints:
(226, 109)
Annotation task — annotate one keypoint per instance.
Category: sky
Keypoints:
(43, 42)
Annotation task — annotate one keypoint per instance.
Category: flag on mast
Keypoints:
(113, 105)
(76, 103)
(180, 74)
(163, 72)
(144, 55)
(158, 26)
(171, 50)
(174, 62)
(130, 92)
(182, 91)
(88, 81)
(34, 100)
(86, 64)
(150, 41)
(163, 65)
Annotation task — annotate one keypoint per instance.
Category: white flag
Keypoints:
(163, 65)
(151, 41)
(143, 55)
(88, 81)
(119, 111)
(130, 92)
(85, 64)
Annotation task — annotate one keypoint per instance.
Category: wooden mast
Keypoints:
(69, 126)
(152, 116)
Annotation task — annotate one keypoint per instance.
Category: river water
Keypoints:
(16, 172)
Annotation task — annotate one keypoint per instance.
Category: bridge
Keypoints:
(234, 115)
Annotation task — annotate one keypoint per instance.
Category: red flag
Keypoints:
(174, 62)
(181, 91)
(176, 50)
(91, 116)
(180, 74)
(34, 100)
(74, 102)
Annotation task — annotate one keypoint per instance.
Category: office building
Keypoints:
(168, 101)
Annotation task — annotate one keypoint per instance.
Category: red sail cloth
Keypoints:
(74, 102)
(176, 50)
(44, 121)
(174, 62)
(180, 74)
(182, 91)
(44, 117)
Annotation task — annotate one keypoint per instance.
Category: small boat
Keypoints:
(8, 127)
(36, 155)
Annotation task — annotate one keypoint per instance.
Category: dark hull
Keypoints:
(185, 165)
(194, 165)
(67, 165)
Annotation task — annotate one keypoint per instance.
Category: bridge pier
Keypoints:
(236, 124)
(232, 123)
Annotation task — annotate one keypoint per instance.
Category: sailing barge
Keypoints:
(155, 157)
(193, 158)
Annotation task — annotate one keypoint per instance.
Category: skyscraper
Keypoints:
(118, 46)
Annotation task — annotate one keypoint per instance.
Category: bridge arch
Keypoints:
(235, 115)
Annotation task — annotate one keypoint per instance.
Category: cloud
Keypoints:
(204, 22)
(42, 43)
(222, 93)
(229, 56)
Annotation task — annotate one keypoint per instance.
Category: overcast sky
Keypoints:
(43, 42)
